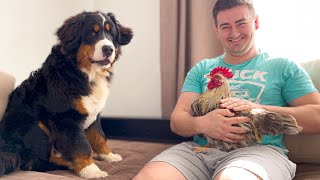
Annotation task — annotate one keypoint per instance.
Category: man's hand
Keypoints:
(237, 104)
(218, 124)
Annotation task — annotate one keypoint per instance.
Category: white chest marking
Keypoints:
(96, 100)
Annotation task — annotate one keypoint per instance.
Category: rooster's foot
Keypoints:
(199, 149)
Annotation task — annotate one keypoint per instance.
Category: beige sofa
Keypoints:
(304, 148)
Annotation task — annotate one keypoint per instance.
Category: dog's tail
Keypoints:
(8, 162)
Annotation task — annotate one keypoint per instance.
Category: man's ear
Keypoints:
(215, 29)
(256, 22)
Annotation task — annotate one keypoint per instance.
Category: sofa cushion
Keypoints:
(6, 86)
(313, 69)
(305, 148)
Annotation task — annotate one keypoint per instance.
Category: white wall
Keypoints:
(27, 34)
(135, 91)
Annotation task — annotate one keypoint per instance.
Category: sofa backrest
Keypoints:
(313, 69)
(304, 148)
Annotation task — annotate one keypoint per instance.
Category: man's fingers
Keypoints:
(225, 112)
(236, 104)
(228, 102)
(242, 108)
(237, 130)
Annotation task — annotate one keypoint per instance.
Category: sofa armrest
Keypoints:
(313, 69)
(303, 148)
(6, 87)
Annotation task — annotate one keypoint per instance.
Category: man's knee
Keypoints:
(145, 173)
(232, 173)
(159, 170)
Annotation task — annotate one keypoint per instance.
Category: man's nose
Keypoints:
(234, 31)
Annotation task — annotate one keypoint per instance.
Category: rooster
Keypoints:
(262, 122)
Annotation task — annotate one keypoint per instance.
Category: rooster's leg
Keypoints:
(199, 149)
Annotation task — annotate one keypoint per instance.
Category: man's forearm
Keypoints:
(184, 124)
(307, 116)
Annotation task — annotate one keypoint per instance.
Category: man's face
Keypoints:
(235, 29)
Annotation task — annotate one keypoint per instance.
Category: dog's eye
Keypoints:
(95, 29)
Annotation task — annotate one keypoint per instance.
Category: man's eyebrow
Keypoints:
(238, 21)
(241, 20)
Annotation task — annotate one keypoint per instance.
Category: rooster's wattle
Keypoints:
(262, 122)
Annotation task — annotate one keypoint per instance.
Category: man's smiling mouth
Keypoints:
(236, 39)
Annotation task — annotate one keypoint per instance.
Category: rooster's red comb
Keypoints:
(226, 72)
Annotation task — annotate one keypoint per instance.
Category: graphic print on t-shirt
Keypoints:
(248, 84)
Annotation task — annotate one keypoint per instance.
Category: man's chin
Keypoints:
(237, 52)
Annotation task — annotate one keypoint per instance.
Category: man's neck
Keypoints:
(230, 59)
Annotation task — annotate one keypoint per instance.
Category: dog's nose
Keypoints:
(107, 50)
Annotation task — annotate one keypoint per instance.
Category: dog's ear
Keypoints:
(70, 33)
(124, 33)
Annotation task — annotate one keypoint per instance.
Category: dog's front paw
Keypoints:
(92, 171)
(111, 157)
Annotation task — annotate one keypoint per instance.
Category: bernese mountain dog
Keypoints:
(52, 119)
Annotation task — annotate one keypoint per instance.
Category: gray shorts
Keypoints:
(268, 162)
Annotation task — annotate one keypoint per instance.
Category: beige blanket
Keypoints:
(135, 155)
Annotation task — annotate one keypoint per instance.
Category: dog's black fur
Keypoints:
(46, 114)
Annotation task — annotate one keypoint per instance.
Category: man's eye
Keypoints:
(225, 27)
(241, 24)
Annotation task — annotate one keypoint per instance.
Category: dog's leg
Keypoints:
(98, 143)
(72, 149)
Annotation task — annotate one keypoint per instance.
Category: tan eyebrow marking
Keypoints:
(108, 27)
(96, 28)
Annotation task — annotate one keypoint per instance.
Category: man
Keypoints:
(261, 82)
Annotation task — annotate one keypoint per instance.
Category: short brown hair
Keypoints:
(228, 4)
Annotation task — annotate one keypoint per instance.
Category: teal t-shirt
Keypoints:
(263, 80)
